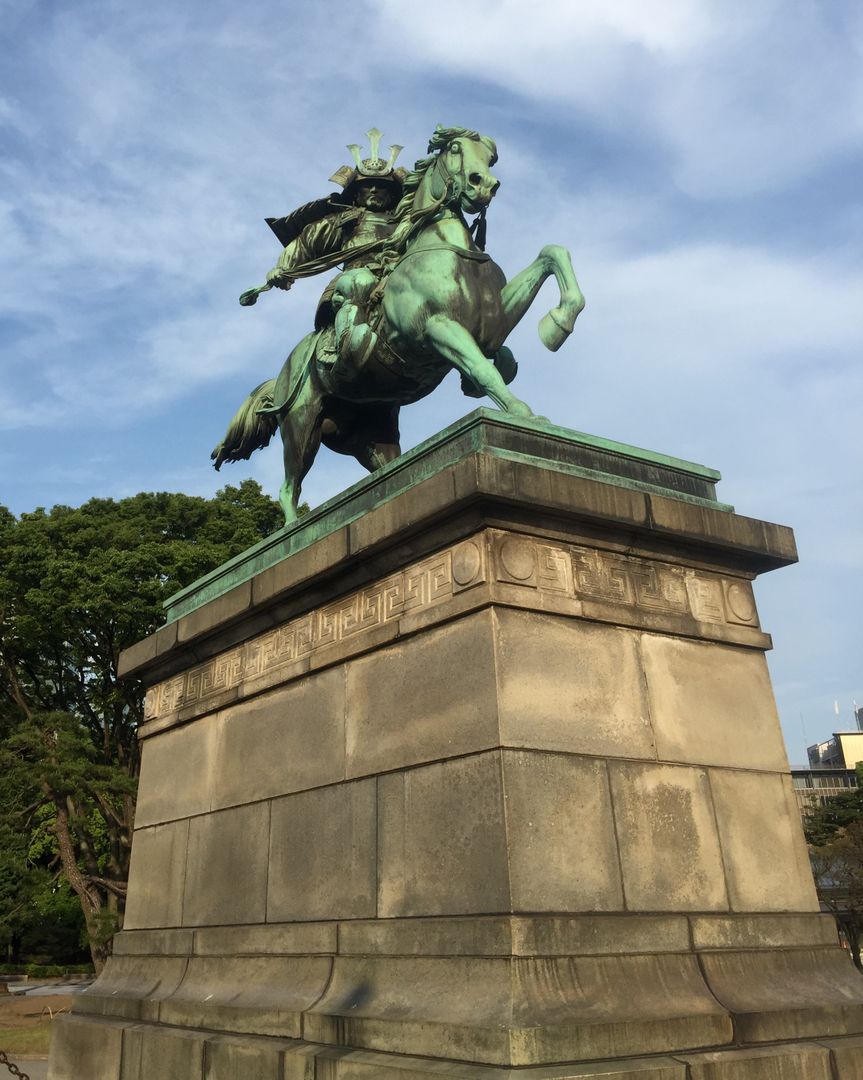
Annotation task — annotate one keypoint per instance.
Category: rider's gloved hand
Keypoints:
(280, 278)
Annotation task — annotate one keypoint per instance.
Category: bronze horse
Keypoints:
(445, 304)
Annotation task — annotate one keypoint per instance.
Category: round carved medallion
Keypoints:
(518, 559)
(740, 602)
(466, 563)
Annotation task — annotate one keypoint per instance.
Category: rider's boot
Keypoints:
(355, 339)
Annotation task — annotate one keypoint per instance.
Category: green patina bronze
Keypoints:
(417, 297)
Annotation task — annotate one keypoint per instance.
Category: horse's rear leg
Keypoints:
(301, 440)
(376, 455)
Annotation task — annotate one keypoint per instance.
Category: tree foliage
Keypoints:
(834, 832)
(77, 586)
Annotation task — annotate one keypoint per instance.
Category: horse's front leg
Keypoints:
(457, 345)
(517, 295)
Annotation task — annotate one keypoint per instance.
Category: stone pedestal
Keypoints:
(475, 772)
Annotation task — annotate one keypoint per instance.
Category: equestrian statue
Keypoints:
(416, 297)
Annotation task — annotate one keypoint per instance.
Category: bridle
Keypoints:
(454, 187)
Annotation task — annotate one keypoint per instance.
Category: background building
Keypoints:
(832, 767)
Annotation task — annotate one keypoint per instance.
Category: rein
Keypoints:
(463, 253)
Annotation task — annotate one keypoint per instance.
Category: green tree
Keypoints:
(834, 832)
(77, 586)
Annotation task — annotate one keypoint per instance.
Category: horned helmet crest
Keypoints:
(374, 167)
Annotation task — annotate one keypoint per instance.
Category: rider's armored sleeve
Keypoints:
(314, 249)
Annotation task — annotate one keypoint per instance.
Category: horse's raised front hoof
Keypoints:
(553, 330)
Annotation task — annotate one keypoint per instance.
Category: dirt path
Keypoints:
(17, 1011)
(25, 1030)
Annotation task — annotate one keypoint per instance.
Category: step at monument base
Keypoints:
(111, 1048)
(516, 995)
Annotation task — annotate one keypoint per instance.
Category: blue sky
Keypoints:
(701, 160)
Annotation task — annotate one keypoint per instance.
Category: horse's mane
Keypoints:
(441, 138)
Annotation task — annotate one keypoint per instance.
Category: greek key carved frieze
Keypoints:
(416, 588)
(560, 576)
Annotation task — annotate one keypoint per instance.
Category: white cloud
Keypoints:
(745, 97)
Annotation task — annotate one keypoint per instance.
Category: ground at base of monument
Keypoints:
(33, 1068)
(25, 1030)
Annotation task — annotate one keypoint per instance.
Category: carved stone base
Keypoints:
(504, 991)
(485, 780)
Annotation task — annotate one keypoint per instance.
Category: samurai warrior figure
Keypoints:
(347, 228)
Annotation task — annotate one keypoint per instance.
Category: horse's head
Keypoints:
(467, 160)
(461, 160)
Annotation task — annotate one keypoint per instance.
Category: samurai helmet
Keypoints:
(374, 167)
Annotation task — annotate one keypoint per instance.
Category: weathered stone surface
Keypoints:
(157, 875)
(133, 987)
(549, 489)
(787, 993)
(84, 1047)
(177, 772)
(429, 697)
(163, 1052)
(369, 1065)
(480, 936)
(519, 1012)
(770, 545)
(584, 935)
(226, 872)
(560, 834)
(323, 854)
(422, 501)
(153, 943)
(334, 652)
(269, 679)
(766, 862)
(847, 1057)
(795, 1061)
(441, 839)
(305, 720)
(145, 651)
(230, 1058)
(706, 701)
(279, 939)
(319, 557)
(571, 685)
(761, 931)
(519, 935)
(669, 849)
(260, 995)
(220, 610)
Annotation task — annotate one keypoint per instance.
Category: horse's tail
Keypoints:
(250, 429)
